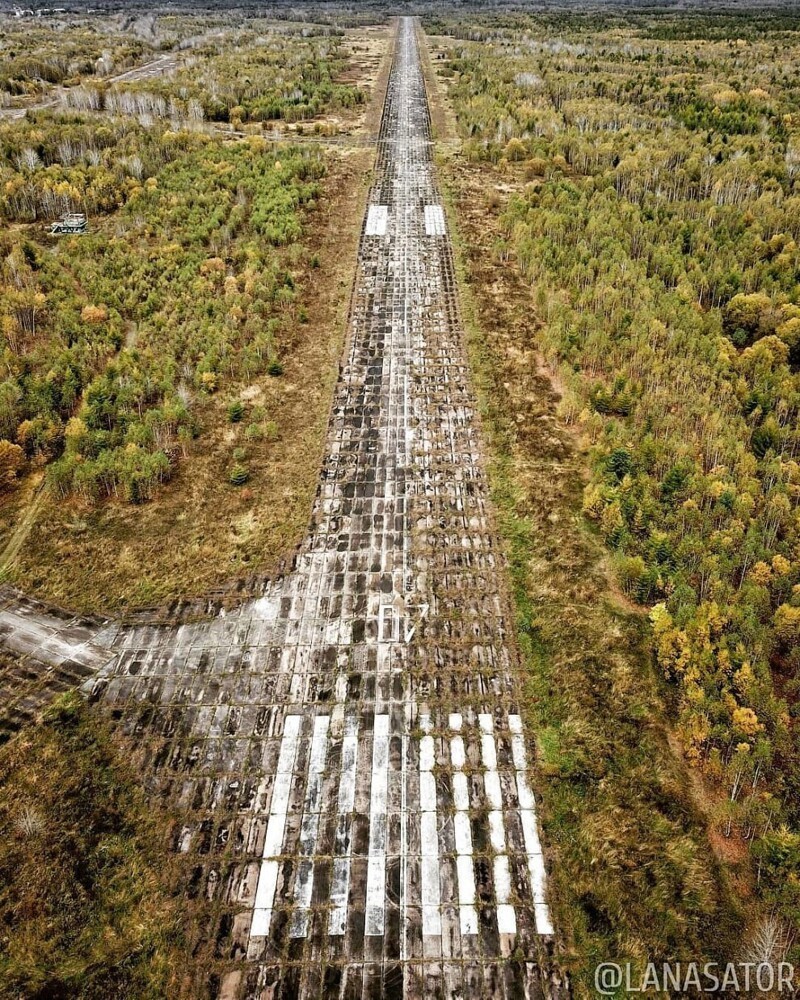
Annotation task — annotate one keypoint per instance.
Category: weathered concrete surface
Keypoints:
(47, 651)
(345, 753)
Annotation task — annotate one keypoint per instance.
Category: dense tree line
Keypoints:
(185, 282)
(36, 55)
(107, 338)
(239, 77)
(52, 165)
(658, 223)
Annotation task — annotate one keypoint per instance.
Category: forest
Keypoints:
(649, 198)
(35, 57)
(96, 322)
(186, 279)
(241, 77)
(151, 366)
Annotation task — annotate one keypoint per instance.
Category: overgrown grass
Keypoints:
(632, 875)
(85, 905)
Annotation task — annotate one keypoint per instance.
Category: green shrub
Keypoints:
(235, 411)
(238, 475)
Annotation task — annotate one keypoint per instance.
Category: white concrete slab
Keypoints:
(340, 879)
(376, 864)
(465, 871)
(276, 825)
(304, 884)
(377, 220)
(429, 835)
(434, 220)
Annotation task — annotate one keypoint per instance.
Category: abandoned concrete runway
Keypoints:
(346, 753)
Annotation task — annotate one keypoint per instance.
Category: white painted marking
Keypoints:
(544, 923)
(462, 833)
(494, 794)
(468, 916)
(388, 624)
(340, 890)
(457, 753)
(466, 882)
(276, 825)
(427, 755)
(347, 785)
(538, 877)
(423, 611)
(489, 752)
(524, 794)
(530, 832)
(273, 840)
(377, 220)
(429, 835)
(468, 919)
(506, 918)
(460, 791)
(502, 876)
(340, 884)
(304, 882)
(497, 834)
(486, 723)
(404, 834)
(427, 792)
(518, 752)
(429, 839)
(434, 220)
(376, 863)
(265, 893)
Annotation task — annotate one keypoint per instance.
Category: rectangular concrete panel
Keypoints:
(309, 830)
(268, 877)
(340, 880)
(434, 220)
(506, 918)
(376, 869)
(429, 835)
(377, 220)
(468, 916)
